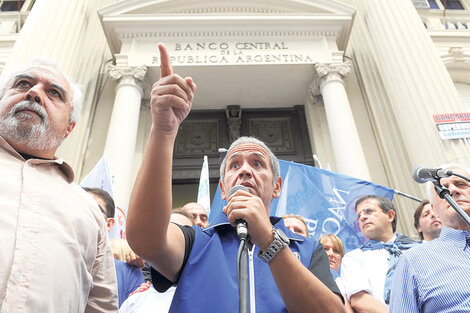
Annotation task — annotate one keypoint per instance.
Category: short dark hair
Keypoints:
(183, 212)
(417, 215)
(384, 203)
(108, 201)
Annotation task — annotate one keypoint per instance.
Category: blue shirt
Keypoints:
(129, 278)
(434, 276)
(208, 282)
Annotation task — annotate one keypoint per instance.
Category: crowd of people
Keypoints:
(57, 256)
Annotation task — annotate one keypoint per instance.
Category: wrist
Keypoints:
(264, 245)
(279, 242)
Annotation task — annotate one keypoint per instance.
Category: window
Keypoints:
(449, 4)
(16, 5)
(11, 5)
(454, 5)
(433, 4)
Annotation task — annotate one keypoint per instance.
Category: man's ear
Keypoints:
(391, 215)
(277, 188)
(110, 223)
(69, 129)
(222, 190)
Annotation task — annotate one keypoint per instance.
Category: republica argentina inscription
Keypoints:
(234, 53)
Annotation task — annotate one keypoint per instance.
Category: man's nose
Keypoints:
(244, 171)
(454, 190)
(362, 217)
(34, 95)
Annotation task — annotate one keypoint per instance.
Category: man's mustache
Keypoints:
(30, 106)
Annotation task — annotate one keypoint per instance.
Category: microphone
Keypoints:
(422, 174)
(242, 230)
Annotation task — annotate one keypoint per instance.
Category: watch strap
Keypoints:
(277, 245)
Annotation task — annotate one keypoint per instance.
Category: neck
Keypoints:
(41, 154)
(384, 237)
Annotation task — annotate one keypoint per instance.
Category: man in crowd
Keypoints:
(129, 277)
(427, 223)
(296, 224)
(367, 272)
(105, 203)
(433, 277)
(55, 254)
(203, 262)
(198, 212)
(146, 299)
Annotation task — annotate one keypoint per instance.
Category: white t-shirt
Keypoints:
(148, 301)
(365, 271)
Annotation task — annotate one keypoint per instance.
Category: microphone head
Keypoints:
(236, 188)
(416, 174)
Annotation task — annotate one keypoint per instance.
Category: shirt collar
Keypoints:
(455, 236)
(61, 164)
(278, 222)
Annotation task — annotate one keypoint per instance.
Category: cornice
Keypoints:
(118, 28)
(231, 7)
(225, 34)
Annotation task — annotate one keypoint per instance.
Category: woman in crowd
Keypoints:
(335, 250)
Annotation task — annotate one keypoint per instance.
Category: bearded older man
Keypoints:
(55, 254)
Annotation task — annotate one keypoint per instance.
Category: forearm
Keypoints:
(364, 302)
(301, 291)
(151, 199)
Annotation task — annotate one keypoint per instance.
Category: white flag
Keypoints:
(203, 196)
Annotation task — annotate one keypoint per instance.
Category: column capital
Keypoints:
(328, 72)
(134, 75)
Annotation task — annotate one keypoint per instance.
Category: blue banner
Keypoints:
(325, 199)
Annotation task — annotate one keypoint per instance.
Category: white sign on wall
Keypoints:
(234, 52)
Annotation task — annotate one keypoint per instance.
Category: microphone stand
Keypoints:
(242, 273)
(445, 194)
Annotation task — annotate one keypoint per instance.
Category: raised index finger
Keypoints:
(165, 64)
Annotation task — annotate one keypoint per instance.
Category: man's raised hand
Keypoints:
(171, 96)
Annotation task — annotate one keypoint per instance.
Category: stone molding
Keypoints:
(236, 34)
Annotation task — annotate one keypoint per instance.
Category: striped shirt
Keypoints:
(434, 276)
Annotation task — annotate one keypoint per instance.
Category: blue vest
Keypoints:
(209, 284)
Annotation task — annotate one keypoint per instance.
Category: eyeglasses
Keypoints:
(102, 210)
(366, 212)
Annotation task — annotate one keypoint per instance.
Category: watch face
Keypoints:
(282, 236)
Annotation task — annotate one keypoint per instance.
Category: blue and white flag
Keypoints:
(100, 177)
(325, 199)
(204, 195)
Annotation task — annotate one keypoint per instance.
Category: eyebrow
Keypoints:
(62, 90)
(20, 76)
(52, 84)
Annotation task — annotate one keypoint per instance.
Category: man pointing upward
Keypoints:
(194, 258)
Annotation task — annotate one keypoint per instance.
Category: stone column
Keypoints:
(122, 131)
(347, 149)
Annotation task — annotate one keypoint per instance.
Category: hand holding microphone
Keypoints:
(242, 230)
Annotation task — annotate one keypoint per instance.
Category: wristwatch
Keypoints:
(280, 241)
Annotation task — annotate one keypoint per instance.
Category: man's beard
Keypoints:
(21, 129)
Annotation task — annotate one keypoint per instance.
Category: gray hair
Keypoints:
(448, 166)
(275, 169)
(77, 95)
